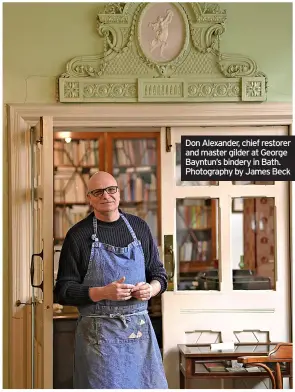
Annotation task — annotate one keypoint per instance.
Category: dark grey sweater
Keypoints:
(75, 255)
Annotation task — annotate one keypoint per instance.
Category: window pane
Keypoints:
(135, 169)
(178, 171)
(197, 246)
(253, 243)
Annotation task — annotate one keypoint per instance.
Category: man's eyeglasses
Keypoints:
(99, 192)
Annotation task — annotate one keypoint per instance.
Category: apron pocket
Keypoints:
(113, 330)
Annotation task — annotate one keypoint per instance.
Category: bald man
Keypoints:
(109, 268)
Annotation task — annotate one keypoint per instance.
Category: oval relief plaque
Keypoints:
(161, 32)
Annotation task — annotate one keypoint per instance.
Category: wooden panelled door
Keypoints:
(42, 258)
(230, 275)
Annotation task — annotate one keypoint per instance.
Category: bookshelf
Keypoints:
(134, 160)
(77, 155)
(196, 235)
(135, 163)
(131, 157)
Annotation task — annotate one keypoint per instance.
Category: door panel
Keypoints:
(209, 312)
(42, 259)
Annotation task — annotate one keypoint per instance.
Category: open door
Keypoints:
(41, 268)
(226, 252)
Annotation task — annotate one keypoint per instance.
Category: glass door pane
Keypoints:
(253, 247)
(197, 246)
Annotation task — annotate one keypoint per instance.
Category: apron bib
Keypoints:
(115, 343)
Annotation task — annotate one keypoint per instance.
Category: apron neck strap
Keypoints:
(124, 219)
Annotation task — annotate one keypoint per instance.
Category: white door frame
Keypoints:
(21, 117)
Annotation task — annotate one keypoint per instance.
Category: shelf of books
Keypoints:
(76, 158)
(196, 235)
(134, 160)
(135, 164)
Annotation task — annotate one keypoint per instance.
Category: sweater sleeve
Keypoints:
(69, 289)
(154, 267)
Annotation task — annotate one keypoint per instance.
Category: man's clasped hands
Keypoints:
(120, 291)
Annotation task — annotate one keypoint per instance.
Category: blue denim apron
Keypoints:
(115, 343)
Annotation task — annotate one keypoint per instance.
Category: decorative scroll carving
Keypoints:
(114, 8)
(109, 90)
(162, 52)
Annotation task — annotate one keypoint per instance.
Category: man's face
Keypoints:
(104, 196)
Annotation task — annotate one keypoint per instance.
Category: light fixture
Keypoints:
(68, 139)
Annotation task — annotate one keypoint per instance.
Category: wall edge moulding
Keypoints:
(162, 52)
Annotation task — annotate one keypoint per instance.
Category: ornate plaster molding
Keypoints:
(162, 52)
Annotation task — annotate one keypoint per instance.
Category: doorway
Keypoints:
(20, 120)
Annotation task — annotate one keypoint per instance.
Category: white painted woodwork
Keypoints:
(225, 311)
(20, 331)
(43, 240)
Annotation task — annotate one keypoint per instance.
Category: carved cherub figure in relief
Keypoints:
(160, 26)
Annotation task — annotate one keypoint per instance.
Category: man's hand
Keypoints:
(115, 291)
(142, 291)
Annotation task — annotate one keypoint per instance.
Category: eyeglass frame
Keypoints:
(103, 190)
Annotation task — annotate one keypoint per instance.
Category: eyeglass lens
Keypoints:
(99, 192)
